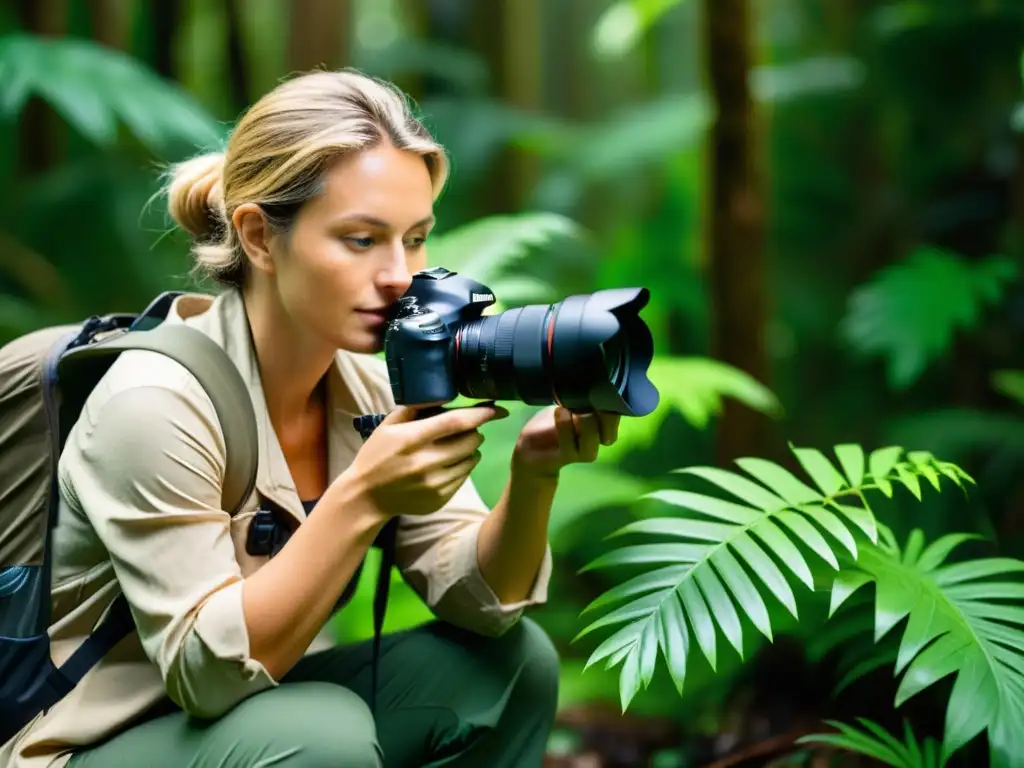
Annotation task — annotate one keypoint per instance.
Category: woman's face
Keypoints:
(353, 249)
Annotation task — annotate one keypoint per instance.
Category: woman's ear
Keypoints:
(254, 234)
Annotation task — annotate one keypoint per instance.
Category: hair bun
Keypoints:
(195, 196)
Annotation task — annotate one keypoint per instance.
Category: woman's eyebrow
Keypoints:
(376, 222)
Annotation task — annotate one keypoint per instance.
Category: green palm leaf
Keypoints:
(93, 87)
(965, 618)
(699, 585)
(875, 742)
(911, 310)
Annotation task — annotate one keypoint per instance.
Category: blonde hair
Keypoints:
(278, 153)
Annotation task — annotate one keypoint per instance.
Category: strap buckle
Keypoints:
(266, 534)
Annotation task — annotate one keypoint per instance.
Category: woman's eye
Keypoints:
(415, 242)
(361, 243)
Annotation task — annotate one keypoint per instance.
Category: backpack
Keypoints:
(45, 378)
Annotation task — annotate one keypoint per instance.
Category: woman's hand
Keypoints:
(556, 437)
(412, 465)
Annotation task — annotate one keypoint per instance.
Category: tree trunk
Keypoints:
(737, 232)
(41, 131)
(238, 72)
(110, 22)
(166, 18)
(320, 35)
(508, 35)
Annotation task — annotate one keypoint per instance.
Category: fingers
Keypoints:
(608, 427)
(588, 436)
(565, 429)
(459, 420)
(401, 415)
(451, 450)
(448, 479)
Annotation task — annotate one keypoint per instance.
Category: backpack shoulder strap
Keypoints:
(221, 380)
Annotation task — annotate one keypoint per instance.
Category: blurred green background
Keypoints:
(825, 198)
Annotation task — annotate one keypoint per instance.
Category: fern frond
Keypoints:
(910, 311)
(488, 248)
(701, 585)
(93, 87)
(965, 619)
(875, 742)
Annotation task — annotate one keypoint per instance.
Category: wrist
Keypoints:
(536, 477)
(350, 497)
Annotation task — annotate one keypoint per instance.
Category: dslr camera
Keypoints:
(586, 353)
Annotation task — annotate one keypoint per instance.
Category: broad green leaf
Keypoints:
(95, 87)
(622, 24)
(1009, 383)
(955, 626)
(911, 310)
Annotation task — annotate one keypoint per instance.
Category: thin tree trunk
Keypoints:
(508, 35)
(737, 232)
(320, 35)
(238, 72)
(41, 131)
(110, 21)
(166, 18)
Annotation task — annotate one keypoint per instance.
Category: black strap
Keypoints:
(116, 625)
(386, 538)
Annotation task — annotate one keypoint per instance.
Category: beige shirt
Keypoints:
(140, 482)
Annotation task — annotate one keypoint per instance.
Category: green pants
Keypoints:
(446, 697)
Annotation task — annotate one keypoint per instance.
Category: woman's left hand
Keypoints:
(556, 437)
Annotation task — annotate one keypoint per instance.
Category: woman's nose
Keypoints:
(395, 278)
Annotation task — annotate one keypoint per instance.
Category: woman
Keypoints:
(313, 221)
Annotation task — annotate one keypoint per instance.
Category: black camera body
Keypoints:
(587, 352)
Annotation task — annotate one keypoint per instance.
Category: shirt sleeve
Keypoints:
(437, 555)
(146, 466)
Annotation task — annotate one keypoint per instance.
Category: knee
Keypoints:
(536, 657)
(319, 725)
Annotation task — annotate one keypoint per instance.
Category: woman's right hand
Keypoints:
(413, 465)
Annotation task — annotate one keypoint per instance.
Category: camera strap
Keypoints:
(268, 534)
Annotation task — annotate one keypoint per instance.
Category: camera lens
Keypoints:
(587, 352)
